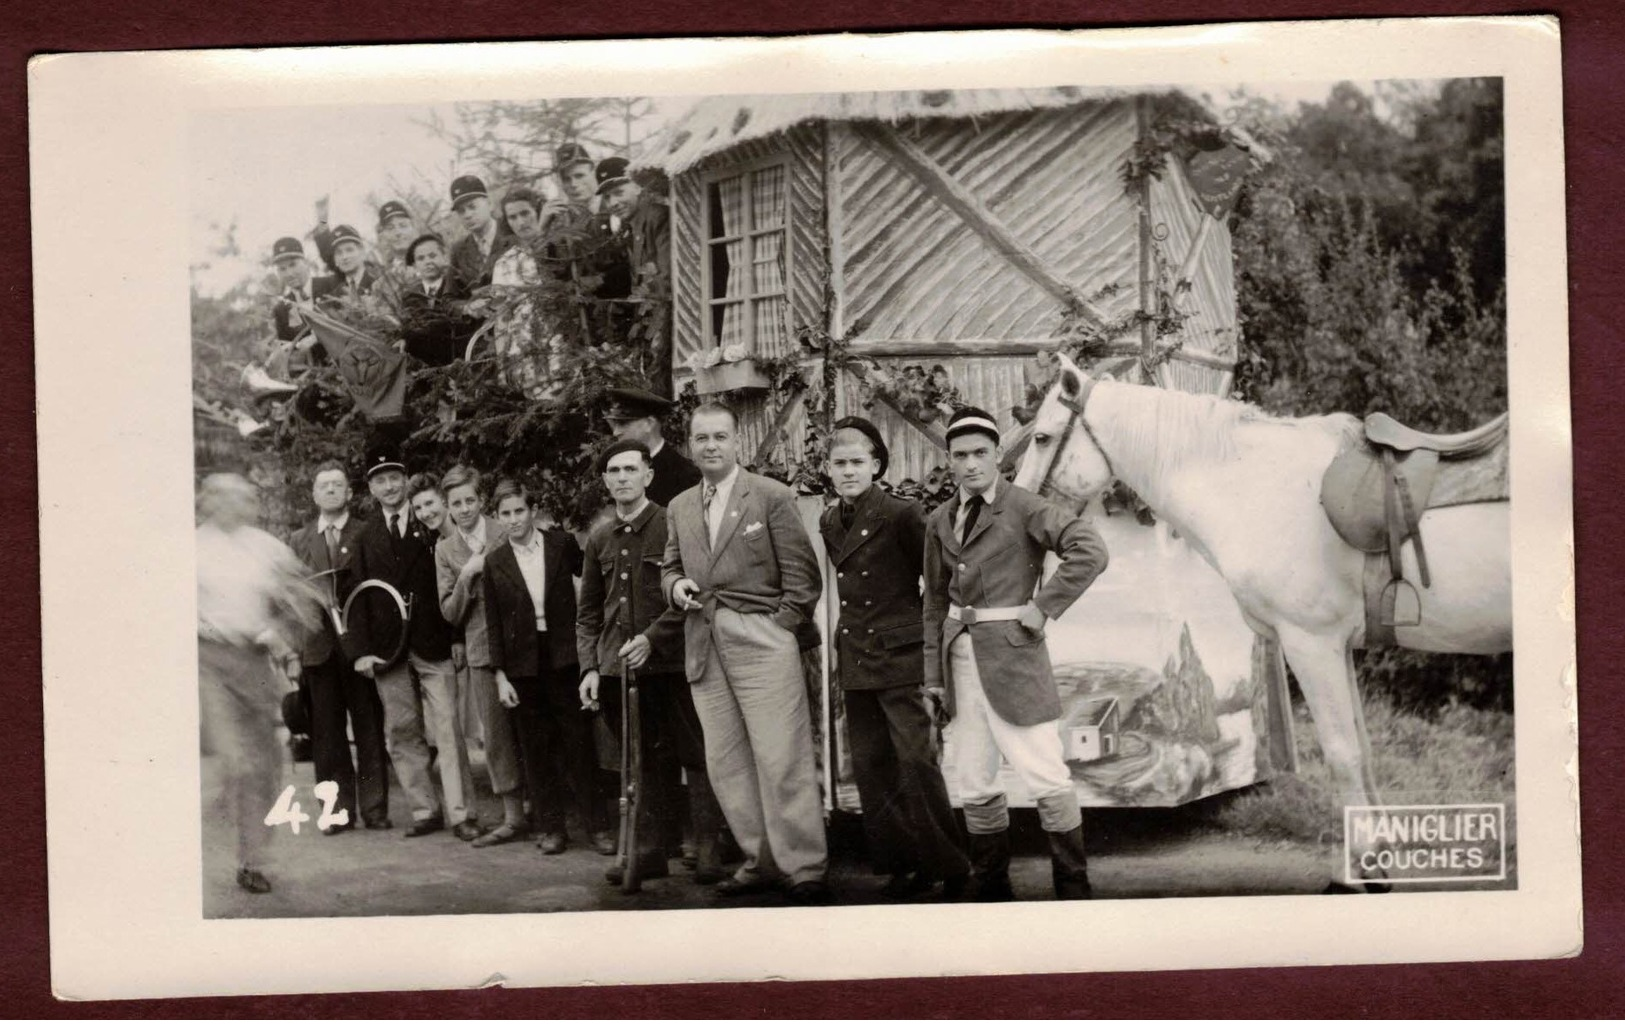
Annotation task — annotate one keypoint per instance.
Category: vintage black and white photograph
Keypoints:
(660, 505)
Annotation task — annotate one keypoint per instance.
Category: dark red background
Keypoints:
(1594, 70)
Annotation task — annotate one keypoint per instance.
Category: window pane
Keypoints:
(728, 324)
(767, 266)
(767, 197)
(772, 331)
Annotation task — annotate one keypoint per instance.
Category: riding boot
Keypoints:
(990, 858)
(1068, 865)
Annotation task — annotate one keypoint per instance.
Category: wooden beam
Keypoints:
(1148, 292)
(934, 432)
(771, 439)
(834, 228)
(970, 208)
(931, 348)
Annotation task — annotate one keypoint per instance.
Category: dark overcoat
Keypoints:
(878, 563)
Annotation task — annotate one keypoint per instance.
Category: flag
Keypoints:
(373, 371)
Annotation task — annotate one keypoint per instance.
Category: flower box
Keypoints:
(740, 375)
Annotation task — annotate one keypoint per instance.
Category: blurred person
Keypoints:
(530, 607)
(254, 607)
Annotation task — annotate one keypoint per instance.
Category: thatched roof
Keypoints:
(717, 123)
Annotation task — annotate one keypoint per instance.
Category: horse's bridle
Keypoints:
(1075, 406)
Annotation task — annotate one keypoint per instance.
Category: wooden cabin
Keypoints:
(947, 228)
(964, 229)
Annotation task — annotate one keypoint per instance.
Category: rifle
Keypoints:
(626, 853)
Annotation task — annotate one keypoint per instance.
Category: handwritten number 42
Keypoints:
(286, 809)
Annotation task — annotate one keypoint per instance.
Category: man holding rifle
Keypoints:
(624, 626)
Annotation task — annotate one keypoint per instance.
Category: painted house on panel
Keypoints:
(967, 229)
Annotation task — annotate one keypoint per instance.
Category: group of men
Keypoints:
(601, 235)
(702, 583)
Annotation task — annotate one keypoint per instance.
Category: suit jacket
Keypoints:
(462, 599)
(335, 286)
(407, 564)
(435, 328)
(674, 474)
(1000, 566)
(311, 547)
(282, 316)
(474, 267)
(622, 568)
(877, 578)
(510, 616)
(762, 562)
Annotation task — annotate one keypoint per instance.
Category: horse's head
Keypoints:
(1062, 459)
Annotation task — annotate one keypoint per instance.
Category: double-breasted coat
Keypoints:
(878, 563)
(621, 571)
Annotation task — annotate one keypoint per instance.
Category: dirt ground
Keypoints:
(1133, 854)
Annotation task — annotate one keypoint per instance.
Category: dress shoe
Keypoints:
(333, 830)
(954, 887)
(604, 843)
(253, 881)
(812, 893)
(709, 875)
(378, 824)
(423, 826)
(499, 835)
(905, 884)
(553, 842)
(467, 831)
(736, 886)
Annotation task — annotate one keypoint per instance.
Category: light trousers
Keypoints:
(753, 710)
(410, 725)
(981, 737)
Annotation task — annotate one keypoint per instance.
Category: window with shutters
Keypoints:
(747, 260)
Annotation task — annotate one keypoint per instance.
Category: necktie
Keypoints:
(973, 506)
(332, 535)
(395, 525)
(706, 498)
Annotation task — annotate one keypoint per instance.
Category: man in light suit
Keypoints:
(329, 545)
(985, 652)
(740, 565)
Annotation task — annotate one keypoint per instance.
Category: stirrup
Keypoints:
(1392, 608)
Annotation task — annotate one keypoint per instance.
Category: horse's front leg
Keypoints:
(1325, 670)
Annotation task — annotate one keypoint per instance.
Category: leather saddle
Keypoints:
(1375, 492)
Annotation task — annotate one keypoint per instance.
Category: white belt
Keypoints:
(971, 616)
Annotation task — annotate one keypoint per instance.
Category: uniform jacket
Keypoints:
(877, 579)
(510, 617)
(674, 474)
(311, 547)
(621, 569)
(282, 314)
(1000, 566)
(473, 267)
(408, 565)
(435, 328)
(462, 600)
(762, 562)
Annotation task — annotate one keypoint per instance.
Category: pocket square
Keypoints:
(751, 528)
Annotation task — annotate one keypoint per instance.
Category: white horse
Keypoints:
(1243, 488)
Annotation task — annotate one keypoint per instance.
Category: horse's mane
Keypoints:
(1158, 431)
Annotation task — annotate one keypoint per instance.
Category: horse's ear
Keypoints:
(1071, 384)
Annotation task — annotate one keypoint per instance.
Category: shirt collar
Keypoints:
(987, 495)
(534, 545)
(475, 538)
(339, 521)
(636, 515)
(726, 486)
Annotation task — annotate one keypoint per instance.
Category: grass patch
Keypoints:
(1454, 755)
